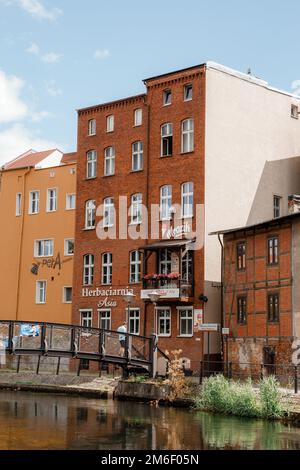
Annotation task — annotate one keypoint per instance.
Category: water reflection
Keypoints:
(33, 421)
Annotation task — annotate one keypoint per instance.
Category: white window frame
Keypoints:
(108, 212)
(109, 161)
(88, 269)
(186, 194)
(110, 123)
(136, 320)
(37, 202)
(66, 252)
(83, 311)
(138, 117)
(187, 318)
(92, 127)
(65, 301)
(38, 291)
(167, 92)
(18, 204)
(43, 245)
(91, 164)
(165, 202)
(135, 265)
(158, 311)
(165, 263)
(107, 319)
(277, 198)
(90, 214)
(136, 208)
(107, 267)
(69, 198)
(187, 135)
(185, 88)
(52, 200)
(166, 131)
(137, 155)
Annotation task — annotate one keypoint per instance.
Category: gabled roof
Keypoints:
(70, 157)
(28, 159)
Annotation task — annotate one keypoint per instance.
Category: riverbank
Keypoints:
(108, 387)
(85, 386)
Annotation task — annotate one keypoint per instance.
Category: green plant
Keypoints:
(140, 378)
(270, 398)
(220, 395)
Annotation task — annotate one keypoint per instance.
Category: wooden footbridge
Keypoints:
(21, 338)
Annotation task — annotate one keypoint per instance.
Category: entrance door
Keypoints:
(270, 360)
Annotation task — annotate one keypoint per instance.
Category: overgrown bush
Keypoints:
(270, 397)
(220, 395)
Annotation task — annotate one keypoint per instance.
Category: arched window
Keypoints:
(166, 140)
(109, 161)
(187, 135)
(137, 156)
(90, 213)
(91, 164)
(109, 212)
(88, 270)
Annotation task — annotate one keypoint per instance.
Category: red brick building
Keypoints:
(261, 301)
(176, 146)
(150, 149)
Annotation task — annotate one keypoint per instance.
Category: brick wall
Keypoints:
(156, 172)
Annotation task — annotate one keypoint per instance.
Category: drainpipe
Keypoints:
(222, 294)
(147, 198)
(21, 240)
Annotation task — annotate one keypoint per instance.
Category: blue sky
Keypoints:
(57, 56)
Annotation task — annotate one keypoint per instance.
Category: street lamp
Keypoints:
(128, 297)
(154, 296)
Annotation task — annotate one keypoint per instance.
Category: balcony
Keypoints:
(170, 286)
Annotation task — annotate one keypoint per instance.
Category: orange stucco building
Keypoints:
(37, 208)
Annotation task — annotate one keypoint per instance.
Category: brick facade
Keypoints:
(157, 171)
(256, 335)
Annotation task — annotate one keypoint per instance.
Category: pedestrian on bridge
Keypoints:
(122, 337)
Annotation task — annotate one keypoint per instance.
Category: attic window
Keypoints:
(294, 111)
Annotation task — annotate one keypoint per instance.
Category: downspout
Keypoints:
(147, 198)
(21, 241)
(222, 294)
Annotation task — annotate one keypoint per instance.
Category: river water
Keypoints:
(39, 421)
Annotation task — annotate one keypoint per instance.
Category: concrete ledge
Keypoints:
(57, 389)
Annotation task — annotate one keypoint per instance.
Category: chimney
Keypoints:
(294, 204)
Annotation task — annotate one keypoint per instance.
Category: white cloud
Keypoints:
(17, 139)
(38, 10)
(101, 54)
(52, 88)
(33, 49)
(295, 86)
(51, 58)
(15, 136)
(37, 116)
(48, 58)
(12, 107)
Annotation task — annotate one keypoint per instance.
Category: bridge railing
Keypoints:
(57, 339)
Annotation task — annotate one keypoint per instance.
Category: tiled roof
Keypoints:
(27, 159)
(70, 157)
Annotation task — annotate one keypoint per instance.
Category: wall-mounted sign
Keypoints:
(209, 327)
(198, 318)
(164, 293)
(86, 292)
(176, 232)
(225, 331)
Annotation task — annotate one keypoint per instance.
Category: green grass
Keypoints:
(220, 395)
